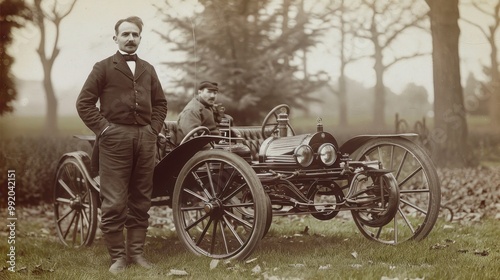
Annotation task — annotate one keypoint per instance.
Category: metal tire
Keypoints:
(235, 207)
(75, 205)
(419, 190)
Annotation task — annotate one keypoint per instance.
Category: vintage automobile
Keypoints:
(225, 190)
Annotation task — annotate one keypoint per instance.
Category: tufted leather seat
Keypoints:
(252, 137)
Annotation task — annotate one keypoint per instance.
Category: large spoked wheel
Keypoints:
(269, 122)
(419, 190)
(234, 207)
(75, 205)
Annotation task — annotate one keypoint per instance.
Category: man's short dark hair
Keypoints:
(133, 19)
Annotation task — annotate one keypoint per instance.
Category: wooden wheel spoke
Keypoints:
(410, 176)
(64, 216)
(233, 230)
(63, 200)
(66, 188)
(70, 224)
(75, 228)
(401, 165)
(227, 183)
(247, 204)
(210, 179)
(408, 223)
(234, 193)
(406, 202)
(239, 220)
(202, 235)
(196, 222)
(70, 175)
(224, 236)
(204, 199)
(214, 237)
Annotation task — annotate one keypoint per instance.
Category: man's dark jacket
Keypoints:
(124, 98)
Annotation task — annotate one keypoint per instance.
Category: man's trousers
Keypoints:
(126, 165)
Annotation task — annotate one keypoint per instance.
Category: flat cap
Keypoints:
(208, 85)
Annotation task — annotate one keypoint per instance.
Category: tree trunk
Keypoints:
(450, 133)
(379, 100)
(342, 99)
(494, 86)
(51, 126)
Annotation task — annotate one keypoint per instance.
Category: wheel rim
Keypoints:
(326, 193)
(73, 206)
(380, 197)
(216, 214)
(418, 192)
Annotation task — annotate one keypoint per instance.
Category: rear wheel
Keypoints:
(419, 190)
(75, 205)
(232, 202)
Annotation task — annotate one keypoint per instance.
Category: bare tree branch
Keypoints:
(405, 57)
(476, 25)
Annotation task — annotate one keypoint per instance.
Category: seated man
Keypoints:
(201, 111)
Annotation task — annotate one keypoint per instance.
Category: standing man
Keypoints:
(200, 111)
(131, 113)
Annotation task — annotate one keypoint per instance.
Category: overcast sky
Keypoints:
(86, 37)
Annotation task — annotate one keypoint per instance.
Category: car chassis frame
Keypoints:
(225, 190)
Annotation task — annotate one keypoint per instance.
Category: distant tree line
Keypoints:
(259, 50)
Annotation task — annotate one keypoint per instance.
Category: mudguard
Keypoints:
(84, 160)
(351, 145)
(168, 168)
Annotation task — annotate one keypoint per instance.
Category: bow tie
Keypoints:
(130, 57)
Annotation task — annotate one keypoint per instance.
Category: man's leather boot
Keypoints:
(136, 237)
(115, 243)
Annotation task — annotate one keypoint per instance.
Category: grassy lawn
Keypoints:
(297, 247)
(326, 250)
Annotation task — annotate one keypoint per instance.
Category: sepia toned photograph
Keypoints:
(250, 139)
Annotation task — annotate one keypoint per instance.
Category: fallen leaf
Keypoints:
(324, 267)
(256, 269)
(178, 272)
(439, 246)
(305, 231)
(213, 264)
(481, 253)
(251, 260)
(355, 254)
(356, 265)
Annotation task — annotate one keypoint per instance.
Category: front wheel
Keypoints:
(75, 205)
(419, 190)
(225, 190)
